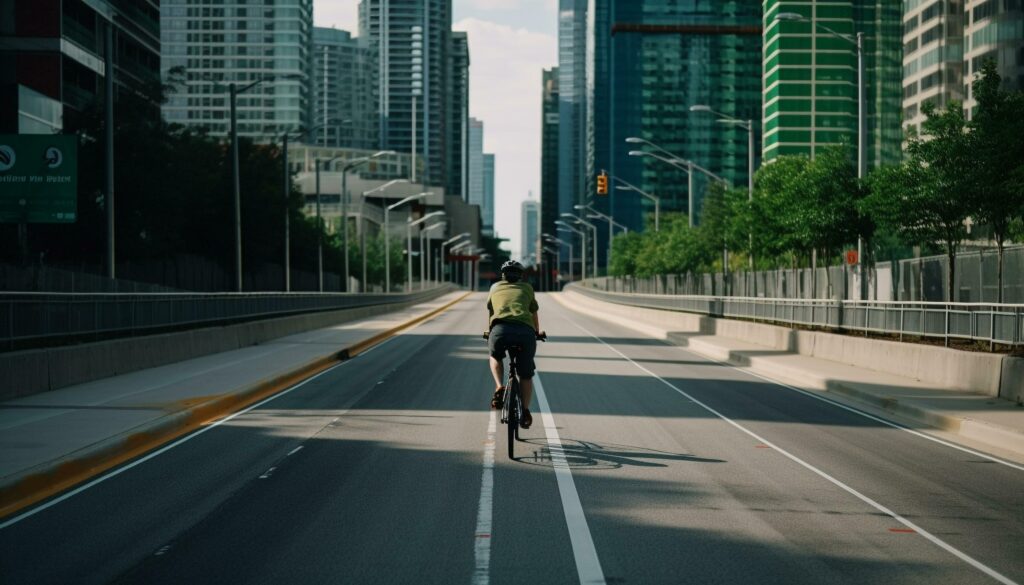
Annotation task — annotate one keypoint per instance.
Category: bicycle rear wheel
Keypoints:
(514, 410)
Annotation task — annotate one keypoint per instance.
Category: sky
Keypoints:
(510, 42)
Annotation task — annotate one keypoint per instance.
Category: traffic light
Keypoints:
(602, 184)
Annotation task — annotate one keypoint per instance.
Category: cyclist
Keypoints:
(512, 321)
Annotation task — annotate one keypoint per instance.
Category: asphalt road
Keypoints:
(645, 464)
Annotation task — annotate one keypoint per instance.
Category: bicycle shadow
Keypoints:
(590, 455)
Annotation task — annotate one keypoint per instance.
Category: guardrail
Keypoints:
(987, 322)
(30, 318)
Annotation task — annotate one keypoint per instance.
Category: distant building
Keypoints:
(346, 91)
(945, 47)
(413, 39)
(52, 59)
(549, 152)
(217, 44)
(810, 77)
(572, 103)
(530, 244)
(458, 116)
(487, 209)
(692, 53)
(475, 170)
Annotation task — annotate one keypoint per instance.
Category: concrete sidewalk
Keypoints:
(56, 439)
(978, 420)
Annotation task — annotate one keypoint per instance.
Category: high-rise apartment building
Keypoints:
(530, 221)
(945, 44)
(487, 209)
(549, 153)
(648, 61)
(346, 90)
(234, 41)
(52, 59)
(413, 39)
(810, 77)
(458, 116)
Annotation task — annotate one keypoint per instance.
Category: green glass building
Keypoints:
(810, 77)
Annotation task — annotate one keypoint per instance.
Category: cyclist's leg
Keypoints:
(496, 345)
(525, 367)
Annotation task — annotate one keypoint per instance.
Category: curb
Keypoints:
(996, 436)
(53, 477)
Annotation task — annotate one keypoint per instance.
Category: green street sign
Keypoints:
(38, 178)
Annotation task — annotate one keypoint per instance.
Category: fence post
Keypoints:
(902, 314)
(947, 325)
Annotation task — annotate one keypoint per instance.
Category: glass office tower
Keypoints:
(810, 77)
(648, 62)
(345, 96)
(237, 41)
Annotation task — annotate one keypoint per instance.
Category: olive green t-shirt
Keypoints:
(512, 302)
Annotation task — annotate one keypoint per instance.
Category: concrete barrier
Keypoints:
(941, 367)
(24, 373)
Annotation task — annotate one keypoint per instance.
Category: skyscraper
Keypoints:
(487, 209)
(549, 153)
(52, 59)
(413, 38)
(458, 116)
(572, 103)
(345, 98)
(475, 170)
(944, 48)
(648, 61)
(530, 218)
(810, 77)
(218, 44)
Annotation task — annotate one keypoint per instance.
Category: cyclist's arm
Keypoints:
(536, 322)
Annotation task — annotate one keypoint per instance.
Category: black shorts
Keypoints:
(506, 335)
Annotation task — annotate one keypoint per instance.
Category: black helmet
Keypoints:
(512, 271)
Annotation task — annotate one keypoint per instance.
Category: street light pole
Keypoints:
(583, 246)
(387, 237)
(236, 187)
(626, 186)
(409, 224)
(425, 258)
(441, 258)
(593, 228)
(551, 238)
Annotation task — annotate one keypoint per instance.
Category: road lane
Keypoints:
(973, 504)
(372, 473)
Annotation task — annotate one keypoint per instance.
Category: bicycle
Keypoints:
(512, 406)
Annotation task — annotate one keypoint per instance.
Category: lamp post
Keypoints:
(459, 248)
(425, 258)
(688, 166)
(387, 238)
(595, 214)
(287, 196)
(857, 40)
(445, 244)
(379, 189)
(747, 125)
(344, 202)
(593, 228)
(319, 225)
(552, 239)
(408, 239)
(563, 226)
(626, 186)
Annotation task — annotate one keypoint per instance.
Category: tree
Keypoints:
(996, 130)
(925, 199)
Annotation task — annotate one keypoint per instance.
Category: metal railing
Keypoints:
(29, 318)
(986, 322)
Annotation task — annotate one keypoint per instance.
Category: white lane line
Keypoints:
(868, 415)
(159, 451)
(485, 511)
(587, 564)
(294, 451)
(268, 472)
(934, 539)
